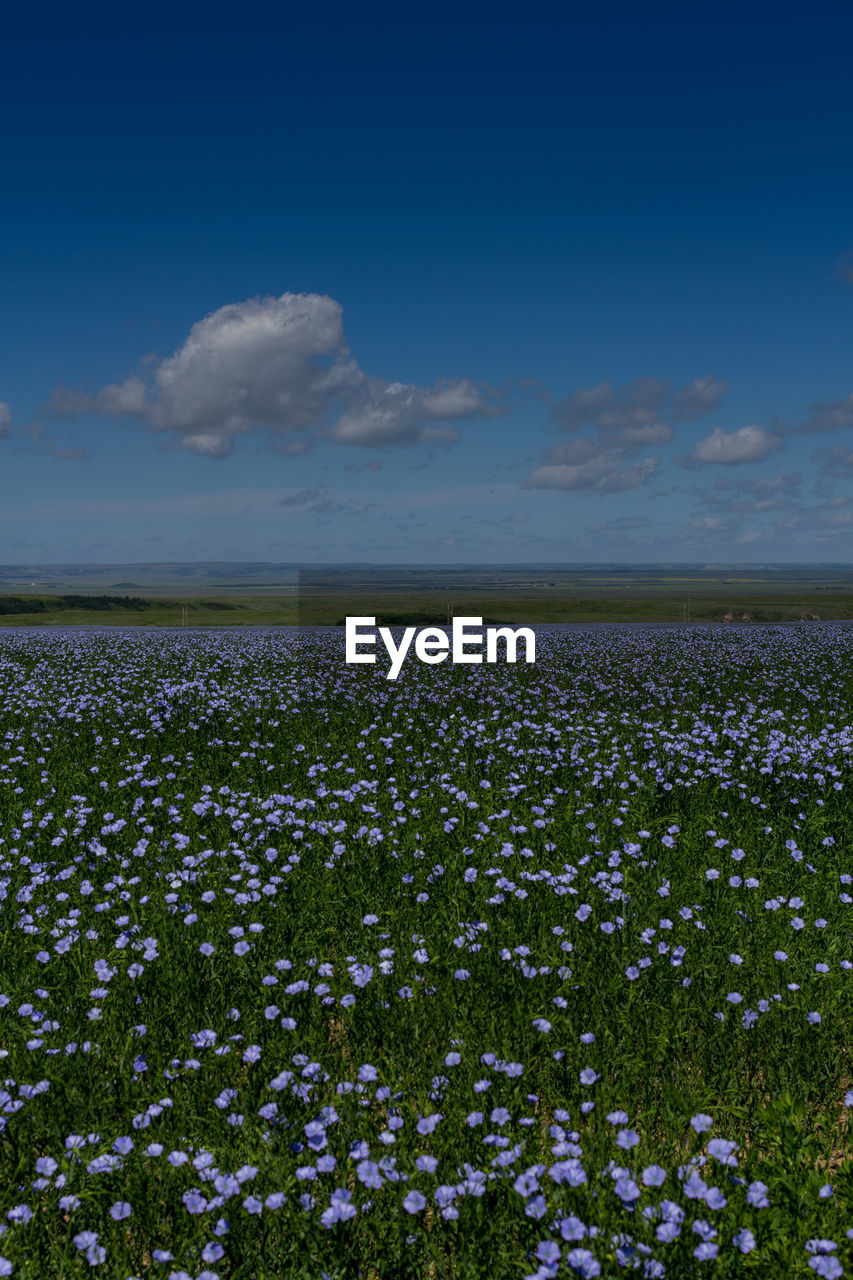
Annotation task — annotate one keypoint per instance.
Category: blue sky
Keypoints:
(427, 283)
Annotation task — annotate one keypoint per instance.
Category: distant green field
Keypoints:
(417, 607)
(260, 594)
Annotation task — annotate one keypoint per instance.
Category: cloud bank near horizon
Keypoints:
(624, 421)
(280, 367)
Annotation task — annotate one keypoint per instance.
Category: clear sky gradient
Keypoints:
(427, 283)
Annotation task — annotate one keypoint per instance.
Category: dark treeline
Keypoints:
(10, 605)
(20, 604)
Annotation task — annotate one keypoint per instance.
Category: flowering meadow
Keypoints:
(506, 971)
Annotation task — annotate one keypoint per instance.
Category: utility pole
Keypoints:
(183, 615)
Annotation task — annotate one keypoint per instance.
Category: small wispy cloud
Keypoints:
(828, 415)
(319, 502)
(701, 396)
(747, 444)
(844, 269)
(34, 438)
(586, 464)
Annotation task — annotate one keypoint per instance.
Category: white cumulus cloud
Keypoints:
(747, 444)
(280, 365)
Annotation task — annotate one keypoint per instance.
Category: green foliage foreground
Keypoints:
(491, 971)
